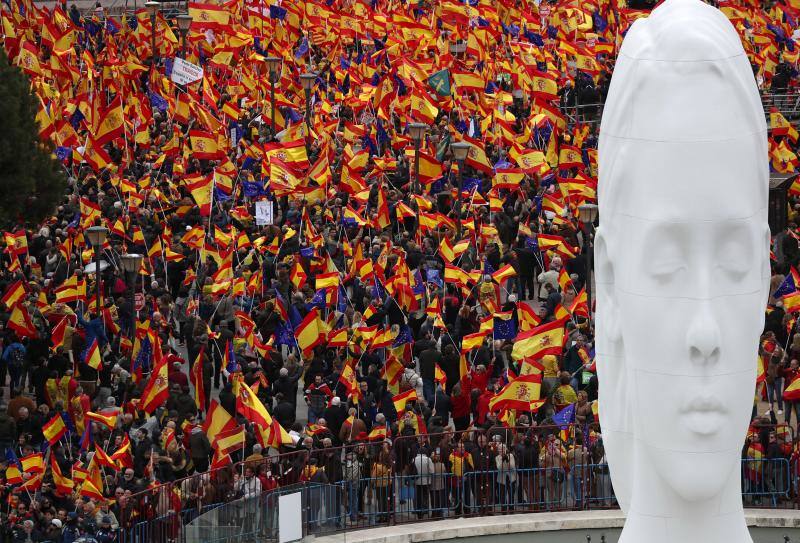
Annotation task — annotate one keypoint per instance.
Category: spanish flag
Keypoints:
(779, 126)
(392, 371)
(209, 16)
(508, 178)
(200, 188)
(64, 485)
(522, 393)
(273, 436)
(309, 332)
(92, 356)
(438, 375)
(400, 400)
(456, 274)
(28, 59)
(20, 322)
(33, 463)
(156, 391)
(449, 251)
(472, 341)
(250, 407)
(378, 433)
(109, 421)
(503, 274)
(204, 145)
(110, 124)
(230, 440)
(14, 294)
(546, 339)
(217, 422)
(430, 169)
(298, 276)
(54, 429)
(327, 280)
(196, 376)
(792, 392)
(791, 301)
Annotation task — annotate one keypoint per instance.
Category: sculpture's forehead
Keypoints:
(687, 181)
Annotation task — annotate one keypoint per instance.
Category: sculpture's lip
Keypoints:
(703, 404)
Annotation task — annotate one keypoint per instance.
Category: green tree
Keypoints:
(32, 182)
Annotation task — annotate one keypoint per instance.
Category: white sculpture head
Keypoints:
(682, 260)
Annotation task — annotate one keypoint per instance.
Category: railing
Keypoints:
(382, 501)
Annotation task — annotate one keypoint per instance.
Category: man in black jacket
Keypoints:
(428, 360)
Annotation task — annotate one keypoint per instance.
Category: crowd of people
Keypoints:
(357, 225)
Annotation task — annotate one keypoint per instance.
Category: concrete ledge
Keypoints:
(529, 522)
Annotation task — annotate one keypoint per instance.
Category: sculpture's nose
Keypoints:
(703, 337)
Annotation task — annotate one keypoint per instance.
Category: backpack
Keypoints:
(16, 359)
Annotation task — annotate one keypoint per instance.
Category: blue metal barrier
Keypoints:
(365, 502)
(765, 478)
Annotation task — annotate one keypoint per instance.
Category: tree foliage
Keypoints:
(31, 180)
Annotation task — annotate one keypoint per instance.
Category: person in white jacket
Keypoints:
(549, 277)
(506, 478)
(423, 466)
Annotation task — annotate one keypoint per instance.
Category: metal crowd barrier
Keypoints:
(395, 499)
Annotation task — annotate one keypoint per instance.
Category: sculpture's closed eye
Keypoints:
(666, 269)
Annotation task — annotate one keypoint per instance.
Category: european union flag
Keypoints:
(144, 356)
(277, 12)
(112, 26)
(294, 318)
(318, 300)
(233, 365)
(307, 252)
(787, 287)
(86, 439)
(76, 118)
(532, 244)
(433, 276)
(403, 337)
(68, 422)
(533, 37)
(600, 23)
(283, 335)
(303, 49)
(505, 329)
(419, 286)
(221, 196)
(252, 189)
(11, 458)
(471, 183)
(564, 417)
(341, 304)
(158, 102)
(63, 153)
(382, 136)
(440, 82)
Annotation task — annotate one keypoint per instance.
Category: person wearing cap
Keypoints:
(106, 532)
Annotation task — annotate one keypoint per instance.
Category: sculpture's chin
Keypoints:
(695, 477)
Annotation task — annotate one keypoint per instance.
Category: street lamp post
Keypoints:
(130, 265)
(97, 236)
(307, 80)
(588, 215)
(273, 65)
(417, 132)
(460, 150)
(152, 8)
(184, 22)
